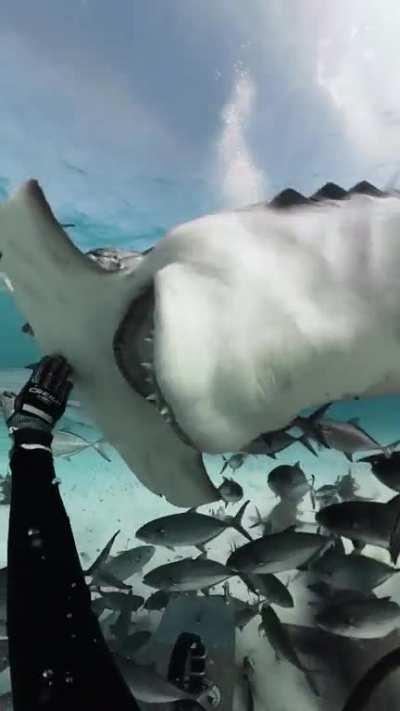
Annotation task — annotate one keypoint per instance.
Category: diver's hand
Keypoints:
(42, 401)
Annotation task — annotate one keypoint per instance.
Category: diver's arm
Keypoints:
(57, 651)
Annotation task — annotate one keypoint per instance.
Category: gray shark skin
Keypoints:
(314, 326)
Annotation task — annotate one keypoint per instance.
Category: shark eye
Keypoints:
(161, 531)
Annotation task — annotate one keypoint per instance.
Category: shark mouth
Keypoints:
(230, 326)
(134, 354)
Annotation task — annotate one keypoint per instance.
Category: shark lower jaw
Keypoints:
(134, 352)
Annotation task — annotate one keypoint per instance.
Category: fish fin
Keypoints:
(224, 466)
(304, 441)
(273, 456)
(101, 559)
(311, 683)
(388, 448)
(289, 528)
(237, 521)
(348, 456)
(203, 551)
(395, 502)
(113, 581)
(320, 412)
(354, 421)
(99, 447)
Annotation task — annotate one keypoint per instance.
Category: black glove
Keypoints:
(42, 401)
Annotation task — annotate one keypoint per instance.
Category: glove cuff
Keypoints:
(24, 435)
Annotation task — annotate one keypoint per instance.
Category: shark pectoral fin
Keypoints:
(75, 308)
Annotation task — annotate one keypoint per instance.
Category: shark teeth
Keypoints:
(155, 396)
(152, 397)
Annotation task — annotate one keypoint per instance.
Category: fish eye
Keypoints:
(161, 530)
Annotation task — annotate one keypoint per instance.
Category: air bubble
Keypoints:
(47, 673)
(69, 615)
(37, 543)
(33, 532)
(69, 679)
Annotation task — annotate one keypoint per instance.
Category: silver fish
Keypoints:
(243, 611)
(157, 600)
(188, 574)
(352, 572)
(189, 528)
(277, 552)
(269, 587)
(98, 606)
(347, 488)
(122, 626)
(129, 562)
(362, 618)
(346, 437)
(280, 518)
(288, 482)
(230, 491)
(102, 557)
(271, 443)
(281, 643)
(122, 601)
(366, 521)
(234, 462)
(148, 686)
(386, 468)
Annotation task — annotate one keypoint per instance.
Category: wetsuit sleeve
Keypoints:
(58, 657)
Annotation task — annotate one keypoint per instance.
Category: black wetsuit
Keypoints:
(59, 660)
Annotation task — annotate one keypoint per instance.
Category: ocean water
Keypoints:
(102, 497)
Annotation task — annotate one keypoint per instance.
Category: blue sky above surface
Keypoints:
(142, 114)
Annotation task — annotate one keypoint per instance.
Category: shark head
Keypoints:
(228, 327)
